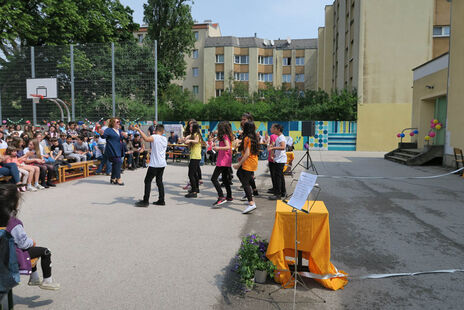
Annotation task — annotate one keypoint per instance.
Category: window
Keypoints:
(287, 61)
(241, 76)
(265, 60)
(195, 54)
(299, 78)
(195, 33)
(195, 71)
(441, 31)
(220, 59)
(299, 61)
(241, 60)
(196, 90)
(140, 38)
(219, 76)
(265, 77)
(219, 92)
(286, 78)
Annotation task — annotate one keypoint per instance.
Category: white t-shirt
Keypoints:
(158, 151)
(280, 156)
(3, 145)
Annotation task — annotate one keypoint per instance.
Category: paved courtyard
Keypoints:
(107, 254)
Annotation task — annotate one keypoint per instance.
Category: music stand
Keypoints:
(295, 275)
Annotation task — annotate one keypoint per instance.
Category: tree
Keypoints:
(170, 22)
(60, 22)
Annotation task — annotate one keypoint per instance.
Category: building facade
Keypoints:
(371, 46)
(218, 62)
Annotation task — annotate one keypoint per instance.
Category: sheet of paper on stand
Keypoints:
(302, 190)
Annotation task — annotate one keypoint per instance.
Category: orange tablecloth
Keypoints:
(314, 242)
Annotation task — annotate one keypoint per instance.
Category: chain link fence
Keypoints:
(92, 67)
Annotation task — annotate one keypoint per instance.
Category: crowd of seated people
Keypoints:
(31, 155)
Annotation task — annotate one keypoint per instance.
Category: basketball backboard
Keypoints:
(44, 87)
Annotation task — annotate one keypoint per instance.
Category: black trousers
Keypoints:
(153, 172)
(279, 179)
(194, 174)
(45, 259)
(226, 179)
(46, 170)
(271, 170)
(246, 177)
(140, 162)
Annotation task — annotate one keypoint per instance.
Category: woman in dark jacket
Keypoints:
(114, 148)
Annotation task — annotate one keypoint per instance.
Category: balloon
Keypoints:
(431, 134)
(412, 133)
(398, 135)
(432, 125)
(427, 138)
(4, 122)
(437, 126)
(28, 122)
(48, 124)
(416, 131)
(402, 135)
(435, 121)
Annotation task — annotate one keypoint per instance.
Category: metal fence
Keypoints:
(94, 81)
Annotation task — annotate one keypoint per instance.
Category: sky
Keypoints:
(270, 19)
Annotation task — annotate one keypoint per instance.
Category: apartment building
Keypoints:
(371, 46)
(218, 62)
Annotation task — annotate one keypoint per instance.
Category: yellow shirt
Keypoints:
(195, 149)
(251, 163)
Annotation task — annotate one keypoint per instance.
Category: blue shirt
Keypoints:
(114, 146)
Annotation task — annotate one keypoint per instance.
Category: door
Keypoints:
(440, 114)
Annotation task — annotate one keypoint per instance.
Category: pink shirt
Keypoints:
(272, 140)
(224, 158)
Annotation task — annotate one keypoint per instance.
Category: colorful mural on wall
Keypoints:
(329, 135)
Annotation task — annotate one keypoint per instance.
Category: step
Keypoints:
(403, 154)
(397, 159)
(411, 151)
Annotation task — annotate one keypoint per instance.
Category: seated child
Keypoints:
(26, 248)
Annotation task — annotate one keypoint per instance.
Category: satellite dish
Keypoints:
(266, 42)
(272, 42)
(289, 41)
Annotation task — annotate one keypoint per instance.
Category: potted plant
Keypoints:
(252, 263)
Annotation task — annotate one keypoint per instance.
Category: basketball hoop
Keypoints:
(36, 98)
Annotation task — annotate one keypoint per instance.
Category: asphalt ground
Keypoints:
(107, 254)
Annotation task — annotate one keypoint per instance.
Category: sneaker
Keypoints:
(35, 282)
(31, 188)
(229, 199)
(191, 195)
(159, 203)
(22, 188)
(220, 201)
(141, 204)
(38, 186)
(249, 209)
(53, 286)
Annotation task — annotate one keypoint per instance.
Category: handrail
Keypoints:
(401, 138)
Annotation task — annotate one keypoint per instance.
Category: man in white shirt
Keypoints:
(158, 144)
(280, 159)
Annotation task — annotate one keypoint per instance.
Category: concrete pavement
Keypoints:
(109, 255)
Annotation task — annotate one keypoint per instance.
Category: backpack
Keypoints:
(9, 268)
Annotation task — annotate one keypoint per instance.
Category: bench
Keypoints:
(91, 163)
(5, 178)
(176, 155)
(73, 170)
(459, 159)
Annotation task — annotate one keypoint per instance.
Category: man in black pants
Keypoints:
(280, 158)
(156, 167)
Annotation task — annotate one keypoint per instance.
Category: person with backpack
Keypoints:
(26, 248)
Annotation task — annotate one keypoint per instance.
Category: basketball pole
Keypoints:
(34, 104)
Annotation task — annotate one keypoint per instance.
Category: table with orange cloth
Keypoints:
(314, 242)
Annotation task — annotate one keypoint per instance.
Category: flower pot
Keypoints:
(260, 276)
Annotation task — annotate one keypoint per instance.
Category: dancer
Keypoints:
(158, 144)
(193, 140)
(279, 158)
(114, 148)
(248, 163)
(223, 163)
